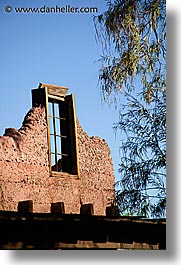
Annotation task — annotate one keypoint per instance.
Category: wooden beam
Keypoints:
(87, 209)
(57, 207)
(25, 206)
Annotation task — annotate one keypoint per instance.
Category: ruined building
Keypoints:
(51, 159)
(57, 185)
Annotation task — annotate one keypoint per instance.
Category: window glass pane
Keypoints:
(56, 166)
(52, 143)
(50, 110)
(51, 125)
(59, 145)
(53, 160)
(59, 163)
(57, 126)
(64, 146)
(63, 109)
(56, 109)
(63, 127)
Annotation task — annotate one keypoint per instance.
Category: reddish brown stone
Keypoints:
(25, 174)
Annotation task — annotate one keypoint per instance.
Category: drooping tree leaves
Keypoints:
(133, 65)
(142, 188)
(133, 38)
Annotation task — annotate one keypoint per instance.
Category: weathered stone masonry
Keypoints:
(25, 175)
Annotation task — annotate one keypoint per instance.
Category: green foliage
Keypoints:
(133, 38)
(133, 64)
(142, 189)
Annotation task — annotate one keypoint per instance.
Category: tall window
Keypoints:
(61, 124)
(58, 135)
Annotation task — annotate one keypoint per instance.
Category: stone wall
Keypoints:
(96, 171)
(24, 170)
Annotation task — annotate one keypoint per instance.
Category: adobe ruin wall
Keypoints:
(24, 170)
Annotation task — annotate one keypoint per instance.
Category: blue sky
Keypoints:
(53, 48)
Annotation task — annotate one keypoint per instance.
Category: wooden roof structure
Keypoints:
(21, 230)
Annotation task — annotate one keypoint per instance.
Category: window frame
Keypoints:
(42, 96)
(55, 120)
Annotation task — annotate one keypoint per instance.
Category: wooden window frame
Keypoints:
(58, 134)
(42, 96)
